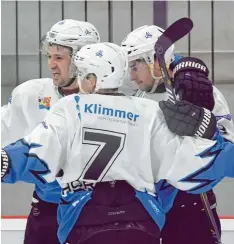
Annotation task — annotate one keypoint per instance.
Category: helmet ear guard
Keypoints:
(89, 83)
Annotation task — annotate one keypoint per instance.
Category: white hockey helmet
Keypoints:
(139, 44)
(73, 34)
(107, 61)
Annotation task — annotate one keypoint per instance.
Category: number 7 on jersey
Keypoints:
(109, 145)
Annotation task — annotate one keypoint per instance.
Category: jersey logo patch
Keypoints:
(44, 103)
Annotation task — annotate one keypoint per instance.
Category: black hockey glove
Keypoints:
(192, 84)
(186, 119)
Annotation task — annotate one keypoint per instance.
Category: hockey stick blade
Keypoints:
(172, 34)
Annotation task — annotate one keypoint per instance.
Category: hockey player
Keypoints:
(187, 214)
(139, 44)
(29, 104)
(104, 140)
(193, 85)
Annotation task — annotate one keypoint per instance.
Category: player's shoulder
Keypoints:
(67, 104)
(109, 105)
(111, 100)
(218, 94)
(70, 98)
(137, 104)
(221, 105)
(216, 91)
(145, 101)
(33, 87)
(117, 98)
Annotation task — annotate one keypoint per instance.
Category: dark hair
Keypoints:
(57, 45)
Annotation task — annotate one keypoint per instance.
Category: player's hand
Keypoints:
(186, 119)
(192, 83)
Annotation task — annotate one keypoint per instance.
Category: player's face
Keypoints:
(59, 60)
(141, 74)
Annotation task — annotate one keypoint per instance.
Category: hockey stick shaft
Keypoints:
(211, 217)
(173, 33)
(167, 80)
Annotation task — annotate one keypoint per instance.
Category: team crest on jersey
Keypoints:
(44, 102)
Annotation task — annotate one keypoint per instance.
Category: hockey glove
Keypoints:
(186, 119)
(192, 84)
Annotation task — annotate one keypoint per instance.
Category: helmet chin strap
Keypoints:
(156, 79)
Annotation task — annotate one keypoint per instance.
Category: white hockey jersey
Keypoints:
(223, 115)
(3, 109)
(27, 107)
(92, 138)
(221, 109)
(224, 121)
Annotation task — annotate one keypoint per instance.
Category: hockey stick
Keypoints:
(172, 34)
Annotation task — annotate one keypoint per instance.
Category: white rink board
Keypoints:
(13, 231)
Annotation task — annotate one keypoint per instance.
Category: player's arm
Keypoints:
(38, 157)
(13, 119)
(189, 163)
